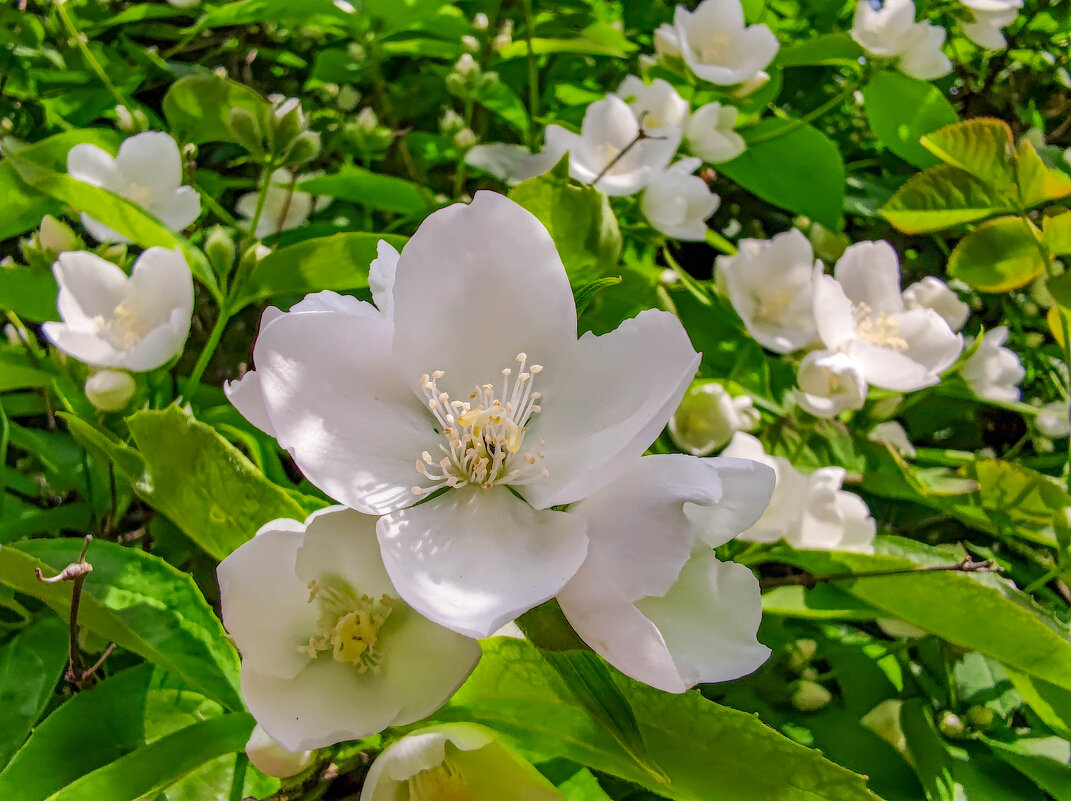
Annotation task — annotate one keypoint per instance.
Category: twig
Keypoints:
(810, 581)
(640, 136)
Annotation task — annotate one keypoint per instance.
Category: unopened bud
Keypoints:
(272, 759)
(470, 44)
(219, 247)
(451, 122)
(246, 129)
(304, 148)
(951, 726)
(810, 696)
(980, 717)
(800, 653)
(55, 236)
(480, 22)
(367, 120)
(504, 37)
(288, 122)
(466, 66)
(464, 139)
(110, 390)
(348, 98)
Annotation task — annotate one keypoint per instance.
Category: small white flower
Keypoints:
(454, 761)
(993, 372)
(711, 136)
(469, 377)
(933, 293)
(651, 598)
(608, 145)
(718, 46)
(511, 163)
(656, 105)
(284, 207)
(829, 383)
(329, 650)
(922, 56)
(709, 416)
(890, 31)
(770, 284)
(807, 510)
(110, 390)
(989, 17)
(1053, 420)
(891, 433)
(860, 312)
(147, 171)
(678, 203)
(135, 323)
(666, 43)
(272, 759)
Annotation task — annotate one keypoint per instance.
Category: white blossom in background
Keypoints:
(770, 284)
(708, 416)
(511, 163)
(284, 206)
(989, 17)
(651, 598)
(807, 510)
(485, 405)
(829, 383)
(860, 312)
(677, 203)
(147, 171)
(272, 759)
(657, 106)
(666, 43)
(933, 293)
(710, 133)
(1054, 420)
(137, 322)
(890, 31)
(454, 762)
(891, 433)
(184, 3)
(718, 45)
(993, 372)
(607, 146)
(329, 650)
(110, 390)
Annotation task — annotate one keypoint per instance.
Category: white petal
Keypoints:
(180, 209)
(889, 369)
(91, 165)
(83, 345)
(381, 273)
(747, 487)
(832, 312)
(89, 286)
(100, 231)
(869, 272)
(162, 282)
(473, 559)
(151, 160)
(159, 346)
(246, 396)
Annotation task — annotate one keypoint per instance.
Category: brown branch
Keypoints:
(75, 573)
(810, 581)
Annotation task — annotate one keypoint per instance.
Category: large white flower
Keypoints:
(609, 146)
(718, 46)
(711, 136)
(933, 293)
(993, 372)
(678, 203)
(147, 171)
(469, 378)
(989, 17)
(329, 650)
(770, 283)
(860, 312)
(807, 510)
(890, 31)
(284, 206)
(651, 597)
(452, 762)
(829, 383)
(709, 416)
(136, 322)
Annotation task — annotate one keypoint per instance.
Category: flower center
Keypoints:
(716, 48)
(773, 305)
(127, 325)
(878, 329)
(442, 783)
(484, 434)
(138, 194)
(349, 624)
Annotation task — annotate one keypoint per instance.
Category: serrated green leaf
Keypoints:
(1037, 183)
(998, 256)
(941, 197)
(1057, 232)
(31, 663)
(982, 147)
(901, 110)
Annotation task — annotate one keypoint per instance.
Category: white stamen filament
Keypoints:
(877, 328)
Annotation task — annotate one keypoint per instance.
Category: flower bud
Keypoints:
(800, 653)
(707, 418)
(951, 726)
(980, 717)
(246, 129)
(366, 120)
(480, 22)
(810, 696)
(219, 247)
(110, 390)
(304, 148)
(464, 139)
(504, 37)
(272, 759)
(470, 44)
(131, 121)
(56, 237)
(348, 98)
(287, 123)
(451, 122)
(1053, 420)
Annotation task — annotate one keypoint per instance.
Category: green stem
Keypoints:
(533, 72)
(241, 762)
(719, 242)
(686, 280)
(74, 33)
(215, 207)
(194, 381)
(799, 122)
(262, 197)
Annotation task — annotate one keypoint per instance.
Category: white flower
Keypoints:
(110, 390)
(933, 293)
(135, 323)
(147, 171)
(666, 43)
(860, 312)
(184, 3)
(329, 650)
(511, 163)
(708, 417)
(272, 759)
(454, 761)
(711, 136)
(807, 510)
(657, 106)
(718, 46)
(989, 17)
(608, 145)
(468, 377)
(770, 285)
(890, 31)
(891, 433)
(651, 597)
(829, 383)
(284, 206)
(1053, 420)
(678, 203)
(993, 372)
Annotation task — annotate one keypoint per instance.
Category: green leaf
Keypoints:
(801, 171)
(708, 751)
(308, 12)
(370, 189)
(827, 48)
(942, 197)
(205, 485)
(585, 294)
(129, 462)
(1028, 755)
(1057, 232)
(30, 293)
(1050, 703)
(978, 611)
(998, 256)
(901, 110)
(18, 376)
(982, 147)
(31, 663)
(1060, 288)
(339, 262)
(198, 107)
(823, 602)
(1037, 183)
(505, 104)
(580, 221)
(137, 601)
